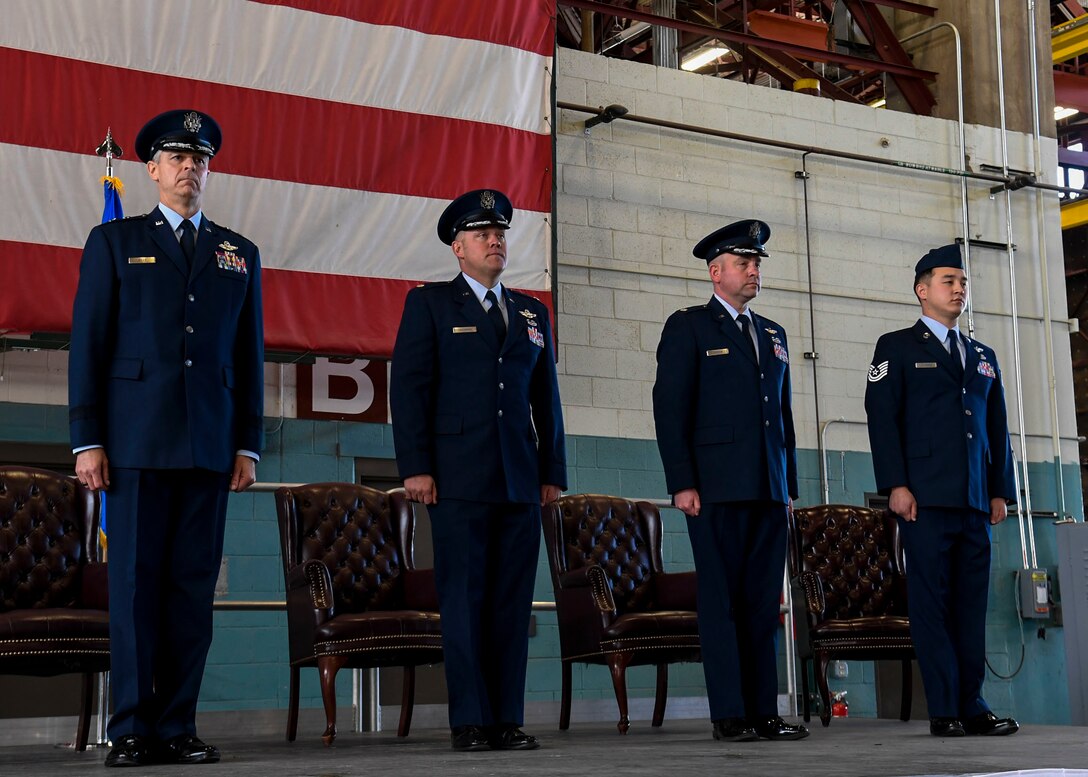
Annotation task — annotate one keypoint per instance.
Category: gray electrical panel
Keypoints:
(1072, 540)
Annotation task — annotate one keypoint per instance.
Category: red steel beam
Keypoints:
(741, 39)
(1071, 91)
(888, 47)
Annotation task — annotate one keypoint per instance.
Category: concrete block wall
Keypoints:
(633, 200)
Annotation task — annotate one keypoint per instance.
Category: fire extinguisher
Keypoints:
(839, 706)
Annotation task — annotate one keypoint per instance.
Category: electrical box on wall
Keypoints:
(1034, 593)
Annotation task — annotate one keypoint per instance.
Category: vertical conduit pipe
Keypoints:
(963, 158)
(812, 321)
(1023, 507)
(1040, 223)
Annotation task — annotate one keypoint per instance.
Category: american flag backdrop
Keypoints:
(348, 125)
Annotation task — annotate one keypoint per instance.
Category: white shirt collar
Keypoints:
(733, 311)
(481, 291)
(939, 330)
(176, 218)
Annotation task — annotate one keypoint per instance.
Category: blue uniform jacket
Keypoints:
(714, 407)
(482, 418)
(943, 437)
(166, 366)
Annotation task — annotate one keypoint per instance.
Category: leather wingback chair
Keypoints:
(615, 603)
(354, 596)
(849, 593)
(53, 587)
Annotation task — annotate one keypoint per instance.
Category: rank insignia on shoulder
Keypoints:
(987, 369)
(878, 371)
(159, 223)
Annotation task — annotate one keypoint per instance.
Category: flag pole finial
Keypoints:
(109, 149)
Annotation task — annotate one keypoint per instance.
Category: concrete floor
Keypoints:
(861, 747)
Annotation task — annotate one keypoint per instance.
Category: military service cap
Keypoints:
(475, 210)
(183, 130)
(945, 256)
(741, 237)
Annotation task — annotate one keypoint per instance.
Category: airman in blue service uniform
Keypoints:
(165, 400)
(725, 431)
(941, 452)
(478, 431)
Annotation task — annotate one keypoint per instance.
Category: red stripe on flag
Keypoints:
(276, 136)
(303, 311)
(523, 24)
(39, 284)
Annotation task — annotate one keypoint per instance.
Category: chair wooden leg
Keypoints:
(908, 685)
(327, 667)
(407, 701)
(86, 700)
(662, 694)
(617, 664)
(564, 705)
(806, 702)
(292, 706)
(822, 661)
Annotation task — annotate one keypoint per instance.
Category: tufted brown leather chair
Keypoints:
(53, 591)
(849, 593)
(615, 604)
(354, 596)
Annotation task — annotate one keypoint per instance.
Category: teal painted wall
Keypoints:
(247, 667)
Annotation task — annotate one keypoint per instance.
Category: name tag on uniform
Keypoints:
(463, 330)
(925, 365)
(141, 260)
(717, 352)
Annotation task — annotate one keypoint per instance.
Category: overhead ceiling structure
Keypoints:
(843, 49)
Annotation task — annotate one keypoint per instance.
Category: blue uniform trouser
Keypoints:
(165, 533)
(485, 560)
(948, 577)
(740, 556)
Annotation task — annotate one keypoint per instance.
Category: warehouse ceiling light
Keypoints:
(703, 56)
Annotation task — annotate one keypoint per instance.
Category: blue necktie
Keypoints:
(188, 241)
(495, 315)
(954, 352)
(745, 322)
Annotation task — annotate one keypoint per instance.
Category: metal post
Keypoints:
(100, 738)
(665, 39)
(366, 707)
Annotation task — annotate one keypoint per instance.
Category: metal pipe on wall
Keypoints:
(963, 156)
(1023, 506)
(1040, 224)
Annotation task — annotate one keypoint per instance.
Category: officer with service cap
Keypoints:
(478, 430)
(725, 431)
(939, 437)
(165, 406)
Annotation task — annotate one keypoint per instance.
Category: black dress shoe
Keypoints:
(734, 730)
(987, 724)
(945, 727)
(508, 737)
(130, 750)
(187, 749)
(468, 738)
(777, 729)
